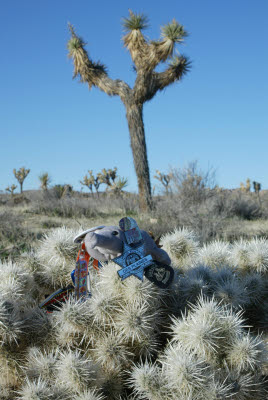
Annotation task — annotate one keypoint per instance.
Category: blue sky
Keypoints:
(217, 114)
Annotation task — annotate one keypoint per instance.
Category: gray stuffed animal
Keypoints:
(106, 242)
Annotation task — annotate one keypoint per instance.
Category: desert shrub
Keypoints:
(48, 224)
(65, 208)
(84, 206)
(192, 184)
(202, 217)
(14, 237)
(243, 205)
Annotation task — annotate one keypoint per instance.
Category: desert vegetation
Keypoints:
(190, 199)
(203, 338)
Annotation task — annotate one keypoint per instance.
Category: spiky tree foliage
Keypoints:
(90, 180)
(45, 180)
(118, 185)
(21, 175)
(106, 176)
(146, 55)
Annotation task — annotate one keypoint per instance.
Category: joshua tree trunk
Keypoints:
(138, 146)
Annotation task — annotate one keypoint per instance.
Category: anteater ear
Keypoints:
(79, 238)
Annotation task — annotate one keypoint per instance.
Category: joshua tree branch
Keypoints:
(179, 66)
(93, 73)
(134, 40)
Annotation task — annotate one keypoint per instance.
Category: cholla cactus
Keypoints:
(229, 289)
(56, 254)
(129, 339)
(111, 353)
(147, 380)
(258, 255)
(89, 395)
(215, 254)
(43, 390)
(186, 374)
(135, 321)
(41, 364)
(73, 322)
(239, 255)
(75, 371)
(11, 326)
(15, 281)
(247, 353)
(208, 329)
(194, 282)
(209, 337)
(182, 247)
(250, 256)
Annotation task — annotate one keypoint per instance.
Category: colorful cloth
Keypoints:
(81, 276)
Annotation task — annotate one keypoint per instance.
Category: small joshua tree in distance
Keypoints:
(45, 180)
(88, 181)
(256, 187)
(164, 179)
(20, 175)
(118, 185)
(146, 55)
(108, 176)
(11, 189)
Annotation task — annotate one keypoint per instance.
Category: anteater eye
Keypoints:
(114, 233)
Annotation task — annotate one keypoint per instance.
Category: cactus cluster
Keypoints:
(203, 338)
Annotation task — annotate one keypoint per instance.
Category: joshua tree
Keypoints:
(20, 175)
(118, 185)
(44, 180)
(248, 185)
(164, 179)
(11, 189)
(106, 176)
(88, 181)
(245, 187)
(112, 173)
(146, 55)
(257, 187)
